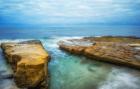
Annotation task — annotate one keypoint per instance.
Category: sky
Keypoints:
(69, 12)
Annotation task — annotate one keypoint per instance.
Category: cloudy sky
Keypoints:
(65, 12)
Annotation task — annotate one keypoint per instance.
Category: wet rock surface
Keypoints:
(117, 50)
(29, 61)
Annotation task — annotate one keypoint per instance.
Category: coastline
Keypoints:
(113, 49)
(51, 45)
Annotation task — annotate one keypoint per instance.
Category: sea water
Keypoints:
(68, 71)
(20, 33)
(76, 72)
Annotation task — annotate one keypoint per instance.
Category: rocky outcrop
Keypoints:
(117, 50)
(29, 63)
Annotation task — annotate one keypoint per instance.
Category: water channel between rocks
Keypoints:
(73, 72)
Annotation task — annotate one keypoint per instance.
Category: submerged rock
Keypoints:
(29, 62)
(116, 50)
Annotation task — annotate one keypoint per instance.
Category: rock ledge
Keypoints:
(29, 61)
(117, 50)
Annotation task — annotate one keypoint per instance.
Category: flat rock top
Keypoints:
(115, 39)
(120, 49)
(30, 52)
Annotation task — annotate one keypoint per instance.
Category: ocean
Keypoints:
(74, 72)
(22, 33)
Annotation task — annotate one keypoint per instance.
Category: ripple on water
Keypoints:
(73, 72)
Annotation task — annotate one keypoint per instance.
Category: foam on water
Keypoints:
(15, 40)
(73, 72)
(52, 42)
(5, 71)
(122, 79)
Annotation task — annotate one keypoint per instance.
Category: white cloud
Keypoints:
(72, 10)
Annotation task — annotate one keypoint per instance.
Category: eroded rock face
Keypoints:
(117, 50)
(29, 62)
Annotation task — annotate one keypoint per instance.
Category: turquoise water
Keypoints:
(34, 19)
(75, 72)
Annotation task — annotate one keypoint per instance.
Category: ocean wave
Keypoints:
(15, 40)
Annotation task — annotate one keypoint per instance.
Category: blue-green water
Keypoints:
(71, 18)
(73, 72)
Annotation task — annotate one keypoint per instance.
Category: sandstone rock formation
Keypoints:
(29, 63)
(117, 50)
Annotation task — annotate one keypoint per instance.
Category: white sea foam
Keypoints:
(120, 79)
(52, 42)
(15, 40)
(69, 73)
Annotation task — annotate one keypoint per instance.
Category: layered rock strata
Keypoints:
(117, 50)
